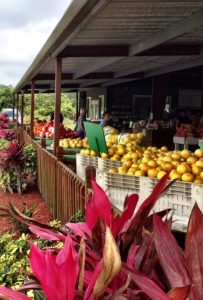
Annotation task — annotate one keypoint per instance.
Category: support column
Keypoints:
(14, 106)
(82, 99)
(22, 110)
(160, 85)
(57, 107)
(32, 109)
(77, 106)
(17, 109)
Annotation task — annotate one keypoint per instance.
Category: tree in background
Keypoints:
(44, 105)
(6, 96)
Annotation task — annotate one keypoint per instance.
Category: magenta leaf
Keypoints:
(134, 230)
(98, 207)
(93, 279)
(12, 295)
(119, 222)
(131, 259)
(194, 249)
(151, 289)
(47, 234)
(170, 255)
(56, 273)
(81, 229)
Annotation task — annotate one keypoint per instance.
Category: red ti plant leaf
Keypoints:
(151, 289)
(81, 229)
(179, 293)
(98, 206)
(107, 268)
(134, 231)
(194, 249)
(134, 249)
(47, 234)
(119, 222)
(56, 273)
(170, 255)
(11, 294)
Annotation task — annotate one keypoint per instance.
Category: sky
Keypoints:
(25, 26)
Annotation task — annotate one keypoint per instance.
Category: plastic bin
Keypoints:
(181, 197)
(82, 161)
(106, 164)
(118, 187)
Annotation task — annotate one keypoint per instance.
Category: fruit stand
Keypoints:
(128, 167)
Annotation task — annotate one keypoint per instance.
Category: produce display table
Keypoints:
(66, 151)
(69, 158)
(186, 142)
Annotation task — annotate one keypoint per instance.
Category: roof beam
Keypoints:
(169, 33)
(37, 87)
(91, 68)
(51, 76)
(197, 62)
(101, 75)
(93, 83)
(133, 75)
(70, 86)
(95, 51)
(118, 81)
(172, 50)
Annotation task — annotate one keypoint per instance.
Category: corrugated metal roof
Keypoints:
(139, 24)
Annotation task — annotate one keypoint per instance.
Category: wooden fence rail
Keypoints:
(70, 192)
(59, 186)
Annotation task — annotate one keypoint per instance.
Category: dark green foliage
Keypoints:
(78, 217)
(6, 97)
(44, 105)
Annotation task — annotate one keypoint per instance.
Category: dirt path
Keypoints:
(43, 214)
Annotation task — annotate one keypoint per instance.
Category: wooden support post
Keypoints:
(43, 143)
(17, 108)
(77, 106)
(32, 109)
(57, 107)
(160, 85)
(59, 153)
(22, 110)
(14, 106)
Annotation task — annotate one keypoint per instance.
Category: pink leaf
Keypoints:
(12, 295)
(56, 273)
(47, 234)
(118, 223)
(170, 255)
(194, 249)
(91, 214)
(80, 228)
(93, 280)
(150, 288)
(100, 205)
(132, 255)
(134, 230)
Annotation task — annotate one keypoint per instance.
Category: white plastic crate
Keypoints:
(82, 161)
(181, 197)
(106, 164)
(118, 187)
